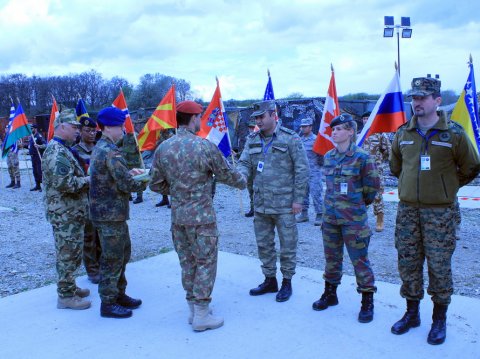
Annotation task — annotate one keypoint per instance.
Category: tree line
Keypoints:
(35, 92)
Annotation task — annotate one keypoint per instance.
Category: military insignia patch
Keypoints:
(445, 136)
(62, 170)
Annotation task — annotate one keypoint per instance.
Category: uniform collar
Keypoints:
(440, 125)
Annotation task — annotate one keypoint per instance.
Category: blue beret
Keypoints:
(111, 116)
(86, 121)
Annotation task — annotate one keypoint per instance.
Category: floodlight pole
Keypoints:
(398, 48)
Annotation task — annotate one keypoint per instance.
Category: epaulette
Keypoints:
(287, 130)
(253, 134)
(455, 127)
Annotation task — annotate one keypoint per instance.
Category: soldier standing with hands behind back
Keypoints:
(433, 158)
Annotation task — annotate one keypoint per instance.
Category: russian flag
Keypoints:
(388, 113)
(214, 124)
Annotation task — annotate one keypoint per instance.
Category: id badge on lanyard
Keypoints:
(425, 163)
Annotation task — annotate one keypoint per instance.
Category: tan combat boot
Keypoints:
(82, 293)
(192, 312)
(203, 319)
(379, 226)
(74, 302)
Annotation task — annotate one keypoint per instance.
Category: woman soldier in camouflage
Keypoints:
(352, 183)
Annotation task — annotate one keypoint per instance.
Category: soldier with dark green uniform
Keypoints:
(66, 189)
(183, 166)
(275, 160)
(91, 244)
(129, 148)
(432, 158)
(110, 188)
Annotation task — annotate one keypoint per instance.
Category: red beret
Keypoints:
(190, 107)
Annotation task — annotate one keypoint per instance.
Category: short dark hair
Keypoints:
(102, 127)
(183, 118)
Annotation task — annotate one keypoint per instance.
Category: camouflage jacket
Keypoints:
(352, 182)
(183, 166)
(284, 173)
(65, 184)
(111, 183)
(84, 154)
(454, 162)
(315, 160)
(129, 148)
(378, 145)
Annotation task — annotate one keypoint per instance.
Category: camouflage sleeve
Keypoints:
(244, 165)
(222, 170)
(395, 160)
(158, 182)
(62, 176)
(301, 169)
(370, 180)
(118, 169)
(385, 146)
(467, 160)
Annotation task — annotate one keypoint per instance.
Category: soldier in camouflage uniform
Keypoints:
(183, 167)
(91, 244)
(251, 129)
(13, 165)
(129, 148)
(315, 162)
(275, 160)
(379, 147)
(66, 188)
(432, 157)
(352, 183)
(110, 188)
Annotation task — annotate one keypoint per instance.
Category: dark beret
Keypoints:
(111, 116)
(366, 114)
(190, 107)
(86, 121)
(340, 120)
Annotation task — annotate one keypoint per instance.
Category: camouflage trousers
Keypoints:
(68, 247)
(197, 250)
(116, 251)
(13, 166)
(264, 226)
(250, 193)
(356, 239)
(91, 249)
(425, 233)
(378, 206)
(314, 188)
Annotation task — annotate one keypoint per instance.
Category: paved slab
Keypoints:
(255, 327)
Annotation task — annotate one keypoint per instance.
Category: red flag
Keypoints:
(53, 115)
(121, 104)
(324, 143)
(162, 118)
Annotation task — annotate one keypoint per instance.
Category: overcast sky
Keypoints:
(238, 40)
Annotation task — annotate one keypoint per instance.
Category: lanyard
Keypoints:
(426, 138)
(266, 147)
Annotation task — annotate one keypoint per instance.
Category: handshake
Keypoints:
(140, 175)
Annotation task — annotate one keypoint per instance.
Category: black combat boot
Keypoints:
(17, 184)
(163, 202)
(114, 310)
(438, 332)
(139, 198)
(36, 188)
(269, 285)
(366, 312)
(250, 213)
(285, 291)
(128, 302)
(411, 318)
(328, 298)
(12, 183)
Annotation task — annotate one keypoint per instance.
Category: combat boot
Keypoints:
(74, 302)
(285, 291)
(114, 310)
(17, 183)
(250, 213)
(379, 226)
(438, 331)
(328, 299)
(302, 217)
(128, 302)
(366, 312)
(203, 319)
(139, 199)
(163, 202)
(12, 183)
(82, 293)
(411, 318)
(318, 219)
(269, 285)
(36, 188)
(191, 306)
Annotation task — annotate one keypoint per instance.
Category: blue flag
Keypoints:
(269, 95)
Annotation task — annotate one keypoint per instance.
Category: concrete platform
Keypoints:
(255, 327)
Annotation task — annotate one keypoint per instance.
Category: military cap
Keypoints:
(366, 114)
(306, 121)
(66, 116)
(111, 116)
(189, 107)
(86, 121)
(424, 86)
(252, 122)
(340, 120)
(259, 108)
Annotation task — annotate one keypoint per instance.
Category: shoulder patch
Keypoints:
(62, 166)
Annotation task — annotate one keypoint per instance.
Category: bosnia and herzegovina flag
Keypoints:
(465, 111)
(19, 128)
(388, 113)
(81, 109)
(162, 118)
(214, 124)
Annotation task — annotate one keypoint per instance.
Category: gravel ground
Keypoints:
(27, 253)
